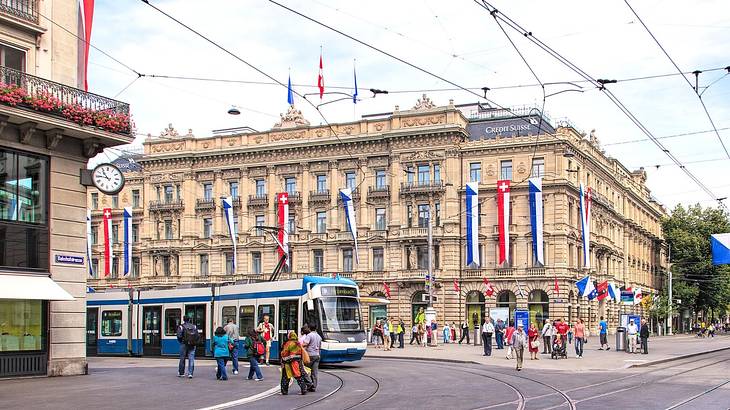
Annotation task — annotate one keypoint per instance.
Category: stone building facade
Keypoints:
(401, 166)
(43, 149)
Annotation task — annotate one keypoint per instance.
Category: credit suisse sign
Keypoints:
(507, 127)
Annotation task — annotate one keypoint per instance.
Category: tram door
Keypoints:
(288, 317)
(92, 330)
(152, 330)
(196, 313)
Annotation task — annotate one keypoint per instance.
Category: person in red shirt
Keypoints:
(508, 335)
(266, 330)
(562, 329)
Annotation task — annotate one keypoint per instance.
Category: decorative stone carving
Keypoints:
(521, 168)
(176, 146)
(593, 139)
(420, 155)
(347, 163)
(258, 139)
(490, 170)
(158, 265)
(231, 174)
(379, 126)
(166, 177)
(206, 144)
(292, 119)
(319, 132)
(257, 172)
(287, 169)
(53, 137)
(170, 131)
(319, 166)
(348, 129)
(26, 131)
(412, 261)
(422, 121)
(424, 103)
(231, 141)
(378, 162)
(295, 135)
(173, 265)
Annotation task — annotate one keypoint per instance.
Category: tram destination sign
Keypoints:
(508, 127)
(339, 291)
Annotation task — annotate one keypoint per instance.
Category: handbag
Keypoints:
(305, 357)
(534, 344)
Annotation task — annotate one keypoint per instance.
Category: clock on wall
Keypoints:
(108, 178)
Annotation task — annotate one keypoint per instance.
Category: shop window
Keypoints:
(229, 312)
(111, 323)
(172, 321)
(21, 325)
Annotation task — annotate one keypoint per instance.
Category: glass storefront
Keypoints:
(538, 304)
(22, 326)
(474, 309)
(507, 299)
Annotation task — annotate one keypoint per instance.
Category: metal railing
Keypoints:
(322, 195)
(379, 191)
(204, 204)
(166, 205)
(22, 9)
(258, 200)
(421, 186)
(41, 88)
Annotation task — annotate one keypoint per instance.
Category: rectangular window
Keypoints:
(436, 173)
(255, 262)
(169, 193)
(246, 319)
(94, 234)
(22, 325)
(115, 233)
(166, 265)
(173, 317)
(136, 267)
(422, 257)
(177, 192)
(475, 172)
(207, 227)
(321, 222)
(380, 223)
(410, 215)
(115, 201)
(94, 201)
(437, 212)
(291, 225)
(266, 310)
(111, 323)
(135, 198)
(350, 180)
(260, 187)
(233, 189)
(378, 259)
(538, 167)
(410, 172)
(24, 231)
(204, 265)
(135, 233)
(9, 56)
(259, 222)
(505, 170)
(318, 260)
(159, 197)
(229, 312)
(290, 185)
(479, 210)
(235, 226)
(321, 183)
(571, 216)
(208, 191)
(424, 174)
(229, 263)
(347, 260)
(95, 267)
(423, 216)
(168, 229)
(380, 179)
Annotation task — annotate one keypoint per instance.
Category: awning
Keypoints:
(36, 287)
(373, 300)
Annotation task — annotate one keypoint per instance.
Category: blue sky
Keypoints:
(457, 40)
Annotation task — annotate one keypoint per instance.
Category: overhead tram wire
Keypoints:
(598, 84)
(697, 92)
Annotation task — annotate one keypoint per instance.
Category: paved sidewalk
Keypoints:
(661, 349)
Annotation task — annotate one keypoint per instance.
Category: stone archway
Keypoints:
(538, 304)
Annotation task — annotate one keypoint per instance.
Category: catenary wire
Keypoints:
(699, 96)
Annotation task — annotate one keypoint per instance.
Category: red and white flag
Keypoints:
(86, 18)
(108, 251)
(490, 289)
(387, 290)
(320, 78)
(456, 286)
(282, 200)
(557, 288)
(503, 212)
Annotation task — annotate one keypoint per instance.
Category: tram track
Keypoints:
(340, 386)
(696, 396)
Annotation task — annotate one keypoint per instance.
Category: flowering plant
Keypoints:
(11, 94)
(43, 101)
(113, 122)
(78, 114)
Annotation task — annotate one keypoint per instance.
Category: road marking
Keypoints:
(272, 391)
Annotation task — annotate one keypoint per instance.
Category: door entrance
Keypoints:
(288, 318)
(92, 331)
(196, 313)
(151, 331)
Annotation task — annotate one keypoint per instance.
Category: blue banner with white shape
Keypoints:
(230, 222)
(536, 219)
(720, 248)
(346, 195)
(472, 224)
(127, 241)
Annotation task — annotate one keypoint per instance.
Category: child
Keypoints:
(221, 352)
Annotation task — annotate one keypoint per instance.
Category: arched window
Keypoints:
(474, 308)
(507, 299)
(377, 311)
(538, 303)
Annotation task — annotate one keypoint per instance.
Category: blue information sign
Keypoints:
(522, 316)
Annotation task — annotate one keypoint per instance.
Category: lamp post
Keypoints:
(669, 302)
(430, 310)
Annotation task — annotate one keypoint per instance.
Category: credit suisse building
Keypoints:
(401, 165)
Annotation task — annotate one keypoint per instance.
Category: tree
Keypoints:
(697, 282)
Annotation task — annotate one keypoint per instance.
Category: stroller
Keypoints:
(559, 349)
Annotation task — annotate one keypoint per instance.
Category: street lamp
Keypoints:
(234, 110)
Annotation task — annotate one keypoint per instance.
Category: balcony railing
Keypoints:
(204, 204)
(537, 271)
(24, 90)
(319, 196)
(166, 205)
(379, 191)
(22, 9)
(258, 200)
(421, 187)
(505, 272)
(295, 197)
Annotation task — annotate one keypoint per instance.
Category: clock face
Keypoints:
(108, 178)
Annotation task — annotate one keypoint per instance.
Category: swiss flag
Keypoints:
(320, 78)
(490, 289)
(602, 290)
(456, 286)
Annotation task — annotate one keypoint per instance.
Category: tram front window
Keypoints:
(339, 315)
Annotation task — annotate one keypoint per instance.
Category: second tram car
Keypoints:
(144, 322)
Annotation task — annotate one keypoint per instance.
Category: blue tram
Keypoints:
(144, 322)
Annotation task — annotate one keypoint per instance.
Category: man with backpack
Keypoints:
(188, 337)
(232, 330)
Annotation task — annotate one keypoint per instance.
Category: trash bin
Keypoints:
(620, 339)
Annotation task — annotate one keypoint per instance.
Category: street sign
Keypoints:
(424, 298)
(522, 316)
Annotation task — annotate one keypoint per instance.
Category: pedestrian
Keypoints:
(232, 331)
(579, 330)
(393, 332)
(517, 342)
(603, 334)
(561, 331)
(221, 352)
(414, 335)
(254, 344)
(266, 329)
(434, 332)
(644, 335)
(447, 333)
(532, 335)
(508, 334)
(401, 332)
(386, 335)
(487, 332)
(547, 334)
(312, 342)
(291, 364)
(464, 332)
(453, 332)
(188, 337)
(632, 331)
(422, 334)
(499, 330)
(378, 334)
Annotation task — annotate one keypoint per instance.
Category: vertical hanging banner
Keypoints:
(88, 242)
(127, 240)
(503, 210)
(457, 289)
(346, 195)
(282, 202)
(320, 77)
(585, 221)
(387, 290)
(489, 289)
(108, 251)
(86, 18)
(228, 212)
(472, 224)
(536, 219)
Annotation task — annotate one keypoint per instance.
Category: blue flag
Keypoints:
(585, 287)
(472, 224)
(354, 94)
(290, 93)
(720, 248)
(128, 212)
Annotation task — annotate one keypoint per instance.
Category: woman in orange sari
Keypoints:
(292, 366)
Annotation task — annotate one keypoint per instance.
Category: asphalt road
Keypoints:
(701, 382)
